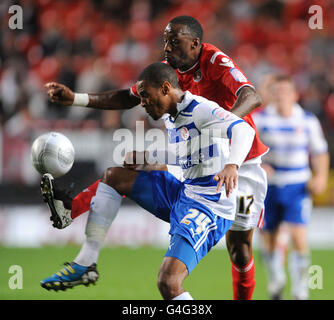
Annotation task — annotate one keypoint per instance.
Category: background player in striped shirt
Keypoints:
(204, 70)
(294, 136)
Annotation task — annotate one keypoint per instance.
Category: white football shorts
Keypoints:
(252, 190)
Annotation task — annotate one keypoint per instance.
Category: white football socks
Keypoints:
(89, 253)
(298, 268)
(104, 207)
(276, 273)
(183, 296)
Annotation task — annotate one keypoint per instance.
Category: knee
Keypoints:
(169, 286)
(112, 177)
(240, 254)
(239, 245)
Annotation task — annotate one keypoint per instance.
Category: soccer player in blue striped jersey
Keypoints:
(202, 208)
(210, 144)
(203, 70)
(294, 136)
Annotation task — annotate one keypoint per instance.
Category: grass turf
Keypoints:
(131, 274)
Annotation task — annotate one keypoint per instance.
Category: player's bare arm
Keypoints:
(137, 160)
(268, 168)
(108, 100)
(247, 101)
(113, 100)
(320, 167)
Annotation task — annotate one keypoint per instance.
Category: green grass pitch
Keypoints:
(131, 274)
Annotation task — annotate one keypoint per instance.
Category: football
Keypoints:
(52, 153)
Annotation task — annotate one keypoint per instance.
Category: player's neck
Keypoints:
(178, 98)
(285, 111)
(188, 66)
(192, 62)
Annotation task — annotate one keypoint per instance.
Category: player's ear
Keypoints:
(165, 88)
(195, 43)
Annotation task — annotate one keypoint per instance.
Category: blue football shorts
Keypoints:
(194, 228)
(290, 203)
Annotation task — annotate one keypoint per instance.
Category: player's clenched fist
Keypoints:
(59, 93)
(229, 177)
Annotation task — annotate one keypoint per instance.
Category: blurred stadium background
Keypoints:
(92, 46)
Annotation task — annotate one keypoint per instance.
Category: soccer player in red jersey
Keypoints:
(204, 70)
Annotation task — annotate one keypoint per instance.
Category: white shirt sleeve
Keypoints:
(317, 143)
(218, 122)
(241, 142)
(214, 120)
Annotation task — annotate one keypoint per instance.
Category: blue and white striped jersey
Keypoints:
(291, 141)
(199, 142)
(199, 137)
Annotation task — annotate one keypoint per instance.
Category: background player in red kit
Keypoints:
(203, 70)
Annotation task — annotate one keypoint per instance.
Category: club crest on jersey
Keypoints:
(220, 113)
(184, 133)
(197, 75)
(238, 75)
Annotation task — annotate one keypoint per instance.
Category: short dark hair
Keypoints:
(194, 27)
(156, 73)
(283, 77)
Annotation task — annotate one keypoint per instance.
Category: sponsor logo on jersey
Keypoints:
(238, 75)
(220, 113)
(227, 62)
(197, 75)
(215, 55)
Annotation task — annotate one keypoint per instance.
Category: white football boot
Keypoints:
(58, 201)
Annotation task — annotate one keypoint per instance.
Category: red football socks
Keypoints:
(243, 281)
(81, 202)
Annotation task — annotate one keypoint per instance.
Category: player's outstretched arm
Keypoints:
(248, 100)
(108, 100)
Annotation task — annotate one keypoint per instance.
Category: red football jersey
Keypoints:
(216, 77)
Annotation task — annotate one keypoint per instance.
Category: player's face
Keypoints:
(179, 46)
(284, 94)
(153, 100)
